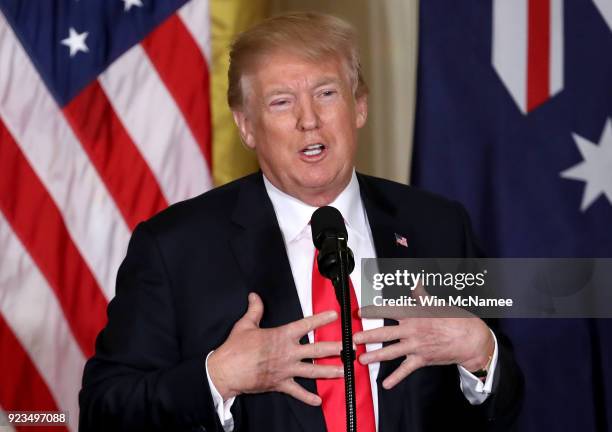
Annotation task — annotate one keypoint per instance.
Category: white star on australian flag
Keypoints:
(595, 169)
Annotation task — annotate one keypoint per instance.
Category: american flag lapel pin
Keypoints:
(401, 240)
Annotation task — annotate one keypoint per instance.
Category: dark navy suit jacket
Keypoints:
(184, 283)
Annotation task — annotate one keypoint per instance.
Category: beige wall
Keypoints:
(388, 41)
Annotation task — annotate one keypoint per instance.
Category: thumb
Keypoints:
(254, 310)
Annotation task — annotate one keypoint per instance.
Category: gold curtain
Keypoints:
(229, 17)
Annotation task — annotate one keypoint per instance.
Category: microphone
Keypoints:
(335, 261)
(330, 237)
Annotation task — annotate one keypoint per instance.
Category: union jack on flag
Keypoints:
(104, 121)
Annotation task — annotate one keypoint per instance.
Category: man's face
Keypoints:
(301, 119)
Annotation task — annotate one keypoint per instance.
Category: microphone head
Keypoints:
(325, 222)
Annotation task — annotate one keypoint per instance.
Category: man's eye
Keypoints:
(328, 92)
(279, 102)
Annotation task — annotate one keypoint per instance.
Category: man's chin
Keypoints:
(320, 193)
(318, 185)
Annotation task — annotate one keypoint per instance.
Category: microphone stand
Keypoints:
(343, 294)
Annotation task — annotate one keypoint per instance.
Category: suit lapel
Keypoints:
(383, 219)
(384, 222)
(261, 255)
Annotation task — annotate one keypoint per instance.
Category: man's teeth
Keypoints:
(313, 150)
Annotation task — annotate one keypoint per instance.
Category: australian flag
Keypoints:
(514, 120)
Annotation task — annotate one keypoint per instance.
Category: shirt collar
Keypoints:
(294, 215)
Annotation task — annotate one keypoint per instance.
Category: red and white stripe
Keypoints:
(75, 181)
(527, 49)
(43, 333)
(138, 93)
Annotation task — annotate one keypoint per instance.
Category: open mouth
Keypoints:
(313, 150)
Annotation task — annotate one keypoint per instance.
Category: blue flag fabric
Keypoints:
(514, 120)
(108, 30)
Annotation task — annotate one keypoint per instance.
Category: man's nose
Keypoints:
(308, 117)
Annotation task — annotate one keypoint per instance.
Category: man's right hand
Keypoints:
(256, 360)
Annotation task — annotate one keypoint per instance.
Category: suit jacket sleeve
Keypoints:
(504, 404)
(137, 379)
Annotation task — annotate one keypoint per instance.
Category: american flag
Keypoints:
(401, 240)
(104, 121)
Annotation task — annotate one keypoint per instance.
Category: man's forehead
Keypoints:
(281, 72)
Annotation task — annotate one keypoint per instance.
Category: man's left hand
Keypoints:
(467, 342)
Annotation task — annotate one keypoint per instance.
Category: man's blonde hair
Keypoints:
(310, 35)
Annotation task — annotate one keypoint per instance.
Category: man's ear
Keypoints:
(244, 128)
(361, 110)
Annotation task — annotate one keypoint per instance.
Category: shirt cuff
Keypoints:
(474, 390)
(222, 407)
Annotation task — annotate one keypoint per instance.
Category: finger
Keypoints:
(254, 310)
(390, 352)
(381, 334)
(316, 371)
(292, 388)
(408, 366)
(319, 350)
(301, 327)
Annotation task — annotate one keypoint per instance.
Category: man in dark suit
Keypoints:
(214, 324)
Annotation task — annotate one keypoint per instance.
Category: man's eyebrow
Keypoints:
(277, 91)
(327, 80)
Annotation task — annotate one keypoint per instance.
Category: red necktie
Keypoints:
(332, 390)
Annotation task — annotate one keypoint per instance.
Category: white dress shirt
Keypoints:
(294, 221)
